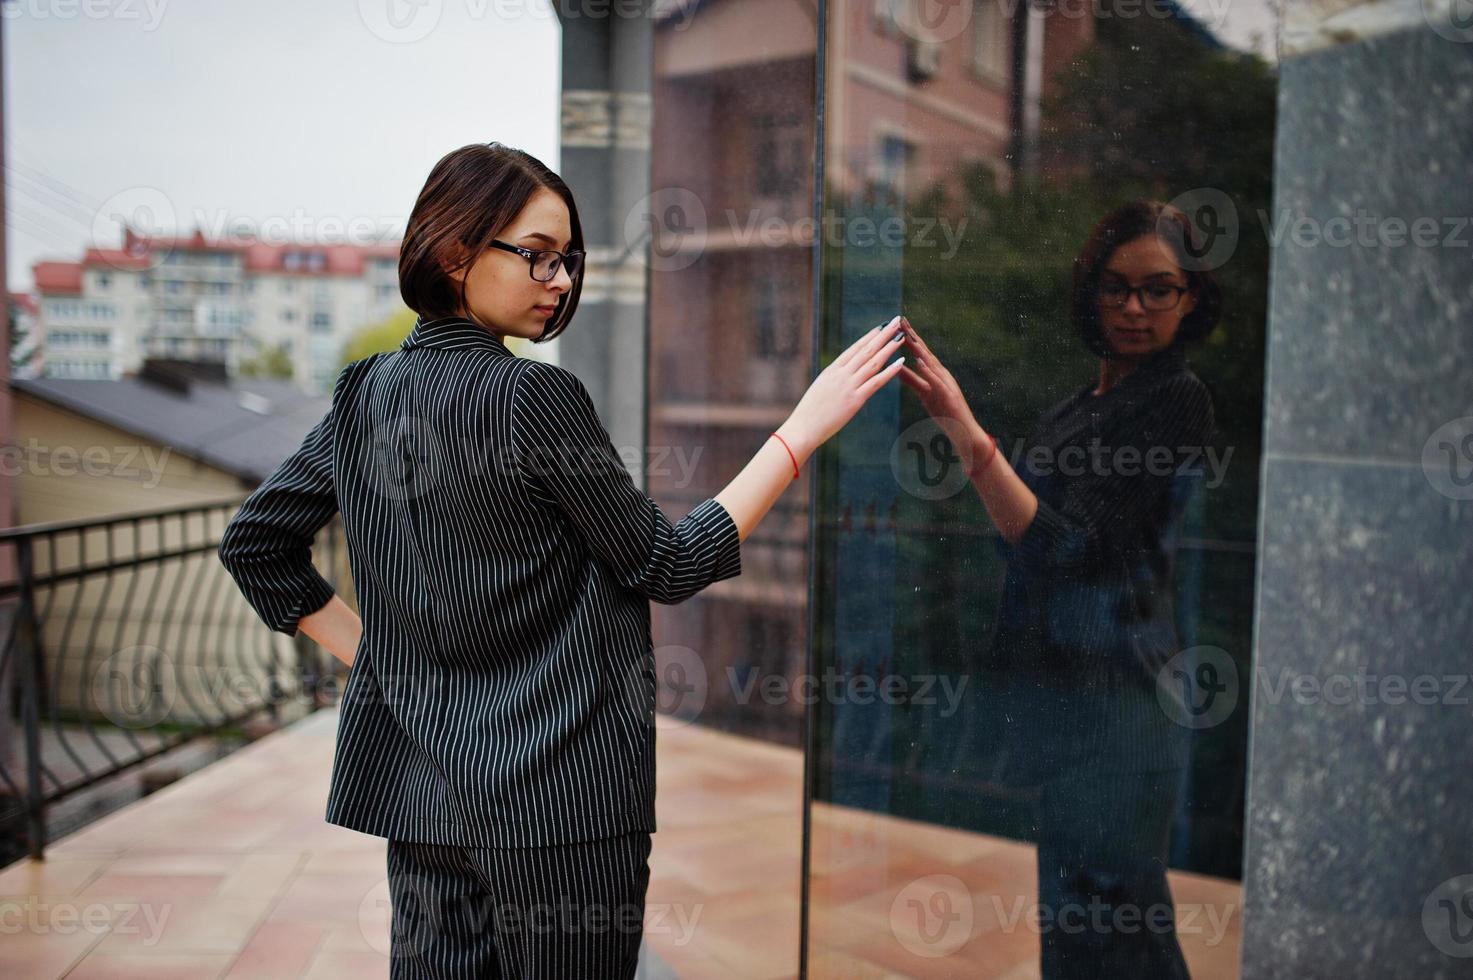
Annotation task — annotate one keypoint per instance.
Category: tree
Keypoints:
(269, 362)
(386, 335)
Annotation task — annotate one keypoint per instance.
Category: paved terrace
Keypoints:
(233, 873)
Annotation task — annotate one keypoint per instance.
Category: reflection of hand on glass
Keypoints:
(1009, 502)
(941, 395)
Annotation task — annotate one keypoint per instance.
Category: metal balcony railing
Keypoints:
(123, 638)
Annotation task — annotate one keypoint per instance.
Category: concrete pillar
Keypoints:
(607, 70)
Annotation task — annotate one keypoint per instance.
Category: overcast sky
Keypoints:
(282, 113)
(306, 119)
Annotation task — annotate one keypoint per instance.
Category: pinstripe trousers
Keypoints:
(560, 911)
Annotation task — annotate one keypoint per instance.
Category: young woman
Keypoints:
(496, 725)
(1085, 622)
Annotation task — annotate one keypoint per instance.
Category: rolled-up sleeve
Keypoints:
(1101, 513)
(267, 546)
(566, 459)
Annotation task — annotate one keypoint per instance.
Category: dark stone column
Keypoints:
(1359, 859)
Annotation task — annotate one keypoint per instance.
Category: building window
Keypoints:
(891, 16)
(990, 40)
(780, 155)
(777, 317)
(894, 161)
(321, 322)
(304, 261)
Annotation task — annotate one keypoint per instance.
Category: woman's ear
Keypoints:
(452, 259)
(1189, 301)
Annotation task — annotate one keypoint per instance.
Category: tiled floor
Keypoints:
(232, 873)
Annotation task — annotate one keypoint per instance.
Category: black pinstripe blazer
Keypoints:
(1087, 615)
(504, 560)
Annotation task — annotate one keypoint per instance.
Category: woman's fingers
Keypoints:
(858, 351)
(886, 352)
(924, 370)
(910, 329)
(852, 351)
(881, 341)
(916, 344)
(914, 339)
(877, 382)
(909, 377)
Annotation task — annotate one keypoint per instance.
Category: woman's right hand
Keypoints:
(842, 388)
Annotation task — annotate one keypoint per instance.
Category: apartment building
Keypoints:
(200, 298)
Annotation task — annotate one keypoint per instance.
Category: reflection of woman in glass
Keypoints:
(1088, 524)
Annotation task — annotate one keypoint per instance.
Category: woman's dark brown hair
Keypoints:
(470, 197)
(1130, 221)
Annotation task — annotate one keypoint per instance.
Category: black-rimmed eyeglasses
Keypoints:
(1155, 296)
(543, 264)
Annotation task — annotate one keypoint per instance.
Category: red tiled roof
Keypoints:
(58, 277)
(335, 260)
(136, 243)
(300, 259)
(116, 258)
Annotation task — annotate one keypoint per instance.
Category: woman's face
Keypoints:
(500, 292)
(1132, 330)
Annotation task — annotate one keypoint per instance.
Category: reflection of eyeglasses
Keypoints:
(545, 262)
(1156, 296)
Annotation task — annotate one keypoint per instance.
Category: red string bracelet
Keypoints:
(790, 453)
(990, 457)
